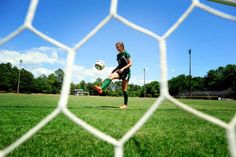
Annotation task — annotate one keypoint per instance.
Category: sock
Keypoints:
(106, 83)
(125, 97)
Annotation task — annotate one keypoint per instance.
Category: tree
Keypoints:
(222, 78)
(14, 78)
(41, 85)
(90, 88)
(83, 85)
(26, 81)
(59, 73)
(152, 89)
(230, 77)
(53, 86)
(7, 77)
(214, 78)
(179, 84)
(197, 83)
(72, 88)
(134, 90)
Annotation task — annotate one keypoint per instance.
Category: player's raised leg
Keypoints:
(106, 82)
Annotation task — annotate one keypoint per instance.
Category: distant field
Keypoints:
(170, 131)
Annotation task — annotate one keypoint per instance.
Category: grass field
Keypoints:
(170, 131)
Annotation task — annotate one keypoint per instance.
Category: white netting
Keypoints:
(62, 105)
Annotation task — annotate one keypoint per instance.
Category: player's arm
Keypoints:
(117, 68)
(127, 66)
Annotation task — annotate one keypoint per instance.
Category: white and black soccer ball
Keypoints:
(99, 65)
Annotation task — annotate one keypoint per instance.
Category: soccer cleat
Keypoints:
(124, 107)
(98, 89)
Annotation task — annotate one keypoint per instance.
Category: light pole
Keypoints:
(144, 93)
(190, 75)
(18, 85)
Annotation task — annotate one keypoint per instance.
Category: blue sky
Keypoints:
(211, 38)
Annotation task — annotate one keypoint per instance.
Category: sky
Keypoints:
(212, 39)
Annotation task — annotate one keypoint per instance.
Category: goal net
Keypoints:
(164, 95)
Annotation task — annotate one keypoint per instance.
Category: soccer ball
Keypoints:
(99, 65)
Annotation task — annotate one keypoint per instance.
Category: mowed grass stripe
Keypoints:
(169, 132)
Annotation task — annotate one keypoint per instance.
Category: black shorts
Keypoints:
(125, 75)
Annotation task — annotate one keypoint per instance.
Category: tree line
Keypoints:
(219, 79)
(28, 83)
(115, 88)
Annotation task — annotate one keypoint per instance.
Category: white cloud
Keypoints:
(89, 74)
(139, 80)
(135, 80)
(34, 60)
(37, 55)
(39, 71)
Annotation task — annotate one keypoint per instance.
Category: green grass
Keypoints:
(169, 132)
(227, 2)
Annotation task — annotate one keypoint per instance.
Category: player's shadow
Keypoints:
(103, 107)
(107, 108)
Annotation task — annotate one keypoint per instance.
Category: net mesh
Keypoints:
(161, 39)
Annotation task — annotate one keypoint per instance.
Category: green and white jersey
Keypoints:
(122, 59)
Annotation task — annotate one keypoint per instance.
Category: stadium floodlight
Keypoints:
(144, 77)
(190, 71)
(227, 2)
(18, 84)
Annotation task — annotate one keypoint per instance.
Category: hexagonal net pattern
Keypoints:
(62, 104)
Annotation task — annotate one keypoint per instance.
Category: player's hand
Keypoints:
(120, 71)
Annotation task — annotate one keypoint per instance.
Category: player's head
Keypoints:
(120, 46)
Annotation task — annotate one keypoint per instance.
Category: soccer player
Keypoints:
(122, 71)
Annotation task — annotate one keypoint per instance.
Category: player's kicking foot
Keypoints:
(124, 107)
(98, 89)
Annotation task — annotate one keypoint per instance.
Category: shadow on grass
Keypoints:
(102, 107)
(51, 107)
(105, 108)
